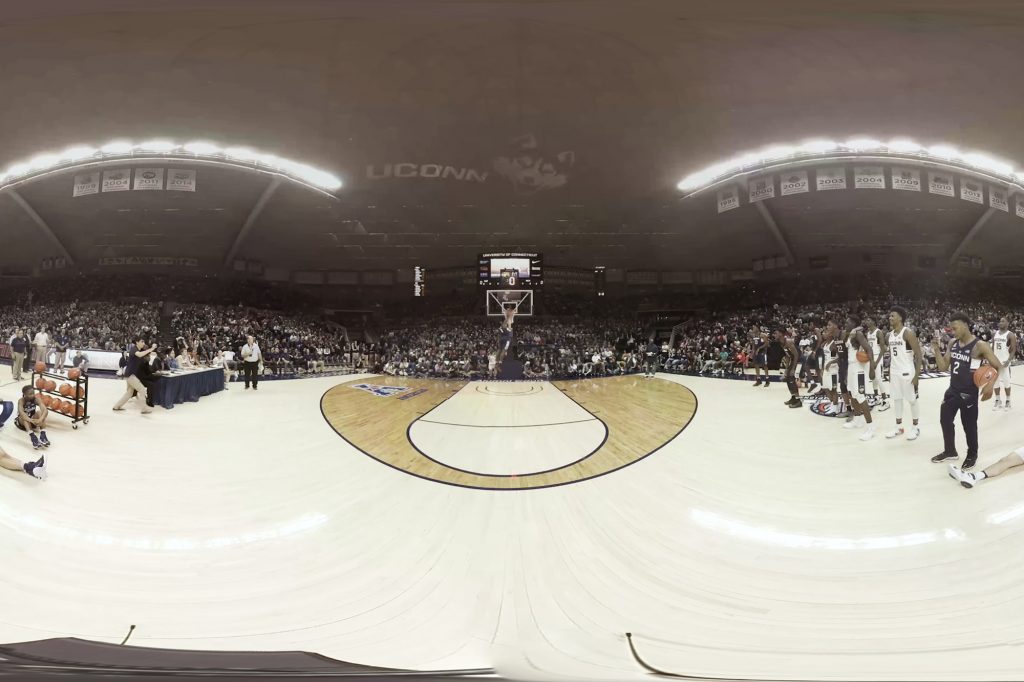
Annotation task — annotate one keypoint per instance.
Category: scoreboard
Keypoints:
(510, 270)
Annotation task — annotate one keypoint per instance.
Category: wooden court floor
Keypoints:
(639, 415)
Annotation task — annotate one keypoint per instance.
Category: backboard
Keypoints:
(498, 300)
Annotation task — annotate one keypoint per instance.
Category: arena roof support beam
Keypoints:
(773, 227)
(971, 234)
(41, 225)
(257, 209)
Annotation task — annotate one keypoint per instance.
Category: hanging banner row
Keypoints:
(868, 177)
(120, 180)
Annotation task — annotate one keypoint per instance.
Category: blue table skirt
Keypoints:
(172, 390)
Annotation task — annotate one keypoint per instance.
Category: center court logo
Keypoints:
(380, 391)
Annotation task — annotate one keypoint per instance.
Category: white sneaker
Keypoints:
(869, 434)
(914, 434)
(895, 433)
(852, 424)
(996, 406)
(967, 480)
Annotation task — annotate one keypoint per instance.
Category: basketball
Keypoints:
(862, 356)
(78, 411)
(40, 367)
(80, 392)
(984, 375)
(45, 400)
(65, 390)
(51, 385)
(74, 374)
(41, 384)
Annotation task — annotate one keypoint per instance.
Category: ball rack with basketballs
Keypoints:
(70, 398)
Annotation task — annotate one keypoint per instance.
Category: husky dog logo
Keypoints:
(381, 391)
(530, 169)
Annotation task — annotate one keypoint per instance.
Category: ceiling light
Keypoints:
(863, 144)
(202, 148)
(943, 151)
(818, 146)
(78, 153)
(904, 146)
(159, 146)
(117, 147)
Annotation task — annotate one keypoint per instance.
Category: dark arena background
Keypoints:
(512, 339)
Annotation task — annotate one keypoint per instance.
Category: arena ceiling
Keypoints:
(423, 108)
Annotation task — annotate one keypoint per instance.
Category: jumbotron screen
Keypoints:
(510, 270)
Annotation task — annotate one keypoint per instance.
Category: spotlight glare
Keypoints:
(159, 146)
(117, 147)
(904, 146)
(863, 144)
(202, 148)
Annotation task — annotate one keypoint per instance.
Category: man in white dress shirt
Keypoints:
(251, 356)
(41, 345)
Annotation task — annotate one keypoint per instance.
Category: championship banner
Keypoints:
(907, 179)
(941, 183)
(761, 188)
(970, 190)
(117, 180)
(833, 177)
(868, 177)
(728, 199)
(86, 183)
(997, 199)
(181, 180)
(149, 178)
(1020, 206)
(794, 183)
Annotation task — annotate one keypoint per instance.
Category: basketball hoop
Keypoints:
(501, 301)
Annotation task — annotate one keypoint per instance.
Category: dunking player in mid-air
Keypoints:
(505, 329)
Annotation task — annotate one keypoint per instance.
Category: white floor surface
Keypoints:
(762, 542)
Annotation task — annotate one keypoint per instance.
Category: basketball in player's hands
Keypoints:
(985, 375)
(862, 356)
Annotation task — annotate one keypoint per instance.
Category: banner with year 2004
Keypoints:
(868, 177)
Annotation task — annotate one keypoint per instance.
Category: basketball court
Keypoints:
(526, 526)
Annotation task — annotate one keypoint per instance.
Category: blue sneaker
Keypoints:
(43, 440)
(37, 468)
(35, 441)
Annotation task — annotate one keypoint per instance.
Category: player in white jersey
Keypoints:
(1004, 345)
(860, 369)
(876, 339)
(904, 371)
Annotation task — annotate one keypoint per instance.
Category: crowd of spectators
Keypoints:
(548, 347)
(712, 334)
(291, 343)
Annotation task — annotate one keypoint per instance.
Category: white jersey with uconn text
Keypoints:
(902, 367)
(1001, 348)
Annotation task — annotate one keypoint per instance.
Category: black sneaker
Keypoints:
(796, 402)
(758, 383)
(969, 463)
(943, 456)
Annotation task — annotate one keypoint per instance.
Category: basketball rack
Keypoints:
(500, 300)
(73, 403)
